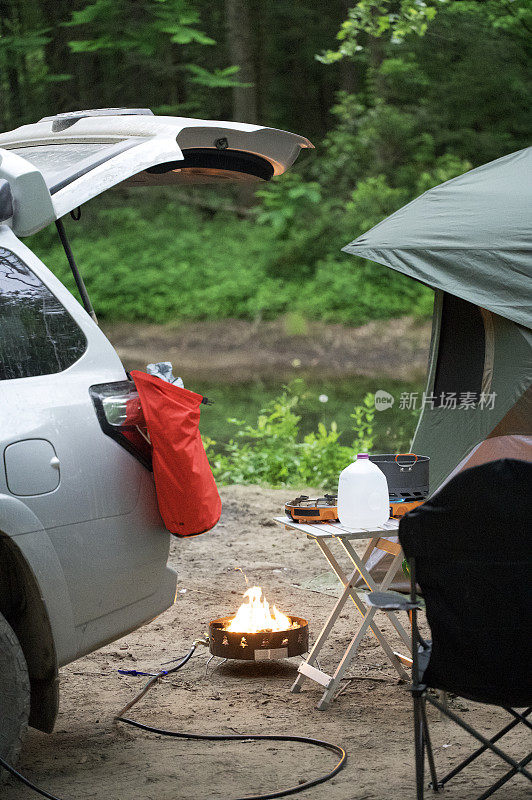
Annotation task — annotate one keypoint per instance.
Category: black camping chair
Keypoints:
(469, 549)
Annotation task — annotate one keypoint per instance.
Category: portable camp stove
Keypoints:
(256, 633)
(402, 507)
(407, 476)
(303, 509)
(324, 509)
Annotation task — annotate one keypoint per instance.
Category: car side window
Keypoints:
(37, 334)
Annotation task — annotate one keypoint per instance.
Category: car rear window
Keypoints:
(61, 163)
(37, 334)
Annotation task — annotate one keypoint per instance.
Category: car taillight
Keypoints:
(120, 416)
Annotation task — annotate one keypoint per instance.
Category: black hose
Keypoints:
(213, 737)
(235, 737)
(301, 787)
(25, 781)
(153, 680)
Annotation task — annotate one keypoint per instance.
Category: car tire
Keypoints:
(14, 695)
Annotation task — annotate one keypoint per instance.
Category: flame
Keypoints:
(255, 615)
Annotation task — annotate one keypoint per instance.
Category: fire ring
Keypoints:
(261, 646)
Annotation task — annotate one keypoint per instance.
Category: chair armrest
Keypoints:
(391, 601)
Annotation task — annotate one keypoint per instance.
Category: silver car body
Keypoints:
(78, 513)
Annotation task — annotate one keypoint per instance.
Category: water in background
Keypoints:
(393, 427)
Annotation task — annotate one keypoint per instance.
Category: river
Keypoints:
(321, 401)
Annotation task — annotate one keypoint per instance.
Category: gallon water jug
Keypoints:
(363, 500)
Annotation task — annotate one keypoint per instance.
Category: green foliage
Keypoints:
(284, 201)
(217, 79)
(295, 324)
(161, 267)
(392, 21)
(146, 30)
(363, 418)
(423, 91)
(374, 19)
(273, 453)
(136, 29)
(144, 256)
(404, 131)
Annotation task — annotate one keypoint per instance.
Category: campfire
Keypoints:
(258, 632)
(255, 615)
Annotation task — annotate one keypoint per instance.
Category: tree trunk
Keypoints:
(349, 75)
(59, 94)
(241, 54)
(13, 105)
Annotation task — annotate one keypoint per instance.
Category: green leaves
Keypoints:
(272, 452)
(363, 417)
(381, 19)
(149, 30)
(24, 41)
(218, 78)
(285, 201)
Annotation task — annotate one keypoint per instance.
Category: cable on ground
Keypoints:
(214, 737)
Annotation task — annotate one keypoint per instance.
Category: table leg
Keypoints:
(390, 574)
(333, 616)
(331, 682)
(369, 549)
(363, 609)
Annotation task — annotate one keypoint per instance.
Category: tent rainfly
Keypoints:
(470, 239)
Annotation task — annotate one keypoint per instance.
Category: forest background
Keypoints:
(396, 95)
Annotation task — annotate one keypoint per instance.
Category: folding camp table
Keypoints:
(324, 534)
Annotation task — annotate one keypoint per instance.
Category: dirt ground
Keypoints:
(235, 350)
(89, 757)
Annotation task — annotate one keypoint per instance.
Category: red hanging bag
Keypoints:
(186, 490)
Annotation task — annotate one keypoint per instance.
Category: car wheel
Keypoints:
(14, 695)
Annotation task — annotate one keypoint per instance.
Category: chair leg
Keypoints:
(434, 785)
(506, 777)
(520, 768)
(419, 740)
(521, 717)
(476, 753)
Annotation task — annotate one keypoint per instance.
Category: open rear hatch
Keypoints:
(57, 164)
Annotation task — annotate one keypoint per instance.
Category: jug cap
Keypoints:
(362, 455)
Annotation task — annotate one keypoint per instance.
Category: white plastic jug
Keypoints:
(363, 500)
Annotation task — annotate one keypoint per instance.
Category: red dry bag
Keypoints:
(186, 490)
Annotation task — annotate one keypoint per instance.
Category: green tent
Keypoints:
(470, 239)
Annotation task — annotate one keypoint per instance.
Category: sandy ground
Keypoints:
(237, 350)
(88, 757)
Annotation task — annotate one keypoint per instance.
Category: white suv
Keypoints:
(82, 547)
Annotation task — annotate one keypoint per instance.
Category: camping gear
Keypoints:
(399, 509)
(324, 534)
(362, 495)
(478, 603)
(470, 239)
(324, 509)
(407, 475)
(186, 490)
(321, 509)
(258, 631)
(261, 646)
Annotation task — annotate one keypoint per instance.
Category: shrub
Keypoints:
(149, 258)
(271, 452)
